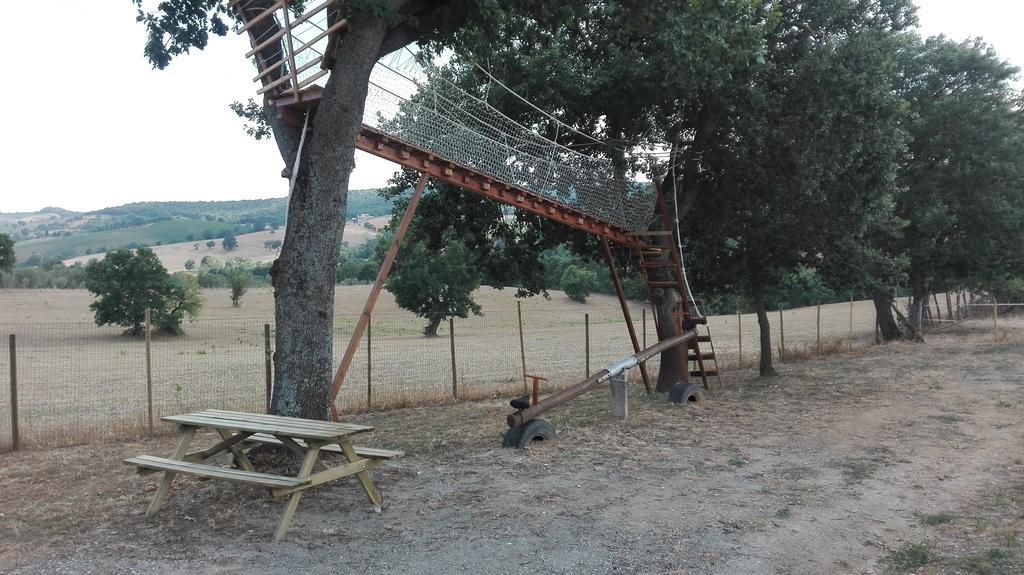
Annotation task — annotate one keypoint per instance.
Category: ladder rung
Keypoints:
(658, 264)
(703, 355)
(709, 373)
(704, 338)
(665, 284)
(652, 233)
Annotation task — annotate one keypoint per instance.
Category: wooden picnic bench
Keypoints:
(241, 431)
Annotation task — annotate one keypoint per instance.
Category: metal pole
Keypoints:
(15, 435)
(268, 364)
(586, 340)
(818, 345)
(451, 340)
(371, 300)
(782, 338)
(522, 346)
(149, 375)
(369, 362)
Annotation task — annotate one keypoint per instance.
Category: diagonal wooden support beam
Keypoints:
(625, 310)
(371, 301)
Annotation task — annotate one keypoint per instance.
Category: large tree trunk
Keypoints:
(766, 367)
(303, 275)
(887, 326)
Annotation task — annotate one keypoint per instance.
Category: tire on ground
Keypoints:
(686, 393)
(533, 430)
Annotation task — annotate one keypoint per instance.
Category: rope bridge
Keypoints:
(411, 101)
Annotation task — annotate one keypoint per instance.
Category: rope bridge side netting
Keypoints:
(411, 100)
(415, 103)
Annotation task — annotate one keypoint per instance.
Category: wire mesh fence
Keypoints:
(78, 382)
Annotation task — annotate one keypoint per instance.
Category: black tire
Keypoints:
(535, 430)
(686, 393)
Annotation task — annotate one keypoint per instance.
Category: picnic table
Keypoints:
(242, 431)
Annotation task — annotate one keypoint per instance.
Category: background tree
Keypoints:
(229, 242)
(190, 264)
(577, 283)
(210, 244)
(962, 180)
(241, 280)
(807, 160)
(127, 283)
(434, 284)
(6, 253)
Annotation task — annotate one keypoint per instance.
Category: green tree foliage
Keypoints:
(962, 181)
(127, 283)
(241, 279)
(578, 283)
(190, 264)
(434, 284)
(6, 253)
(230, 242)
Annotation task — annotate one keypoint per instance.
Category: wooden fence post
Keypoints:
(782, 338)
(851, 322)
(995, 318)
(522, 346)
(586, 340)
(369, 361)
(149, 375)
(818, 344)
(268, 365)
(451, 340)
(739, 332)
(15, 435)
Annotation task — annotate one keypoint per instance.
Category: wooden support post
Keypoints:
(455, 374)
(959, 310)
(371, 300)
(782, 338)
(949, 306)
(878, 333)
(369, 362)
(938, 309)
(586, 342)
(739, 332)
(620, 395)
(15, 435)
(818, 343)
(149, 374)
(522, 344)
(643, 322)
(268, 365)
(624, 304)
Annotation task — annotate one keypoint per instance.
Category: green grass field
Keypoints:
(165, 232)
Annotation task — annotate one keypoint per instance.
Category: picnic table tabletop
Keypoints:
(309, 429)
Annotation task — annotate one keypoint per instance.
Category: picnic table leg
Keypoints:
(293, 500)
(165, 483)
(239, 455)
(364, 477)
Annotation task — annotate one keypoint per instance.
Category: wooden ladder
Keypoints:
(658, 250)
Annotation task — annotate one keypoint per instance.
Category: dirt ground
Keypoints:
(893, 459)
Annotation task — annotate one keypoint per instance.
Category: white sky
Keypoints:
(89, 125)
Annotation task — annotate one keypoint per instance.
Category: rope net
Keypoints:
(414, 102)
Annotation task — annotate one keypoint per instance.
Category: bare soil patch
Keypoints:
(895, 459)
